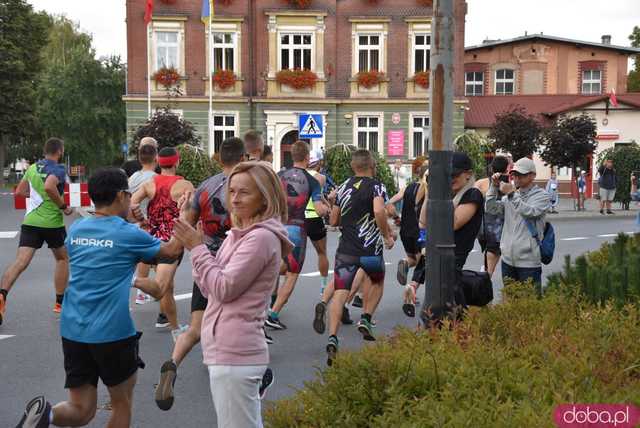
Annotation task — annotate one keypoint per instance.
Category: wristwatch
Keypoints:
(63, 207)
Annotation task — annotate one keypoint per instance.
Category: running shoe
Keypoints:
(318, 321)
(267, 381)
(275, 323)
(268, 338)
(403, 271)
(366, 329)
(141, 298)
(178, 331)
(332, 350)
(2, 307)
(346, 317)
(164, 389)
(162, 321)
(36, 415)
(357, 302)
(57, 308)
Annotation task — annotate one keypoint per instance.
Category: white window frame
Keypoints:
(224, 45)
(425, 47)
(379, 129)
(474, 83)
(425, 133)
(224, 128)
(504, 80)
(591, 82)
(379, 48)
(158, 44)
(291, 47)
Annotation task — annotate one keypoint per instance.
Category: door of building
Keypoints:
(286, 161)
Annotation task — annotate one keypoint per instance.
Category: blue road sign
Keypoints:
(125, 148)
(310, 126)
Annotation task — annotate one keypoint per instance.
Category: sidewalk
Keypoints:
(566, 210)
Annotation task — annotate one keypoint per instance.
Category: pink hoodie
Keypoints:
(238, 282)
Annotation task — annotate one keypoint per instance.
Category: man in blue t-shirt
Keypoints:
(99, 338)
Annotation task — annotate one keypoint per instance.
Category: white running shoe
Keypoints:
(178, 331)
(141, 298)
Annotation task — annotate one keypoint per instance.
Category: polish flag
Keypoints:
(148, 11)
(612, 98)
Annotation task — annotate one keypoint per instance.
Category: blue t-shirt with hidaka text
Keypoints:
(103, 254)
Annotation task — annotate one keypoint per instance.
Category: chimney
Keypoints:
(606, 39)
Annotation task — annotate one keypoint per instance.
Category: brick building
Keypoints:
(335, 39)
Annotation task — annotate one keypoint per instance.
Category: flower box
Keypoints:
(224, 79)
(297, 79)
(422, 79)
(369, 79)
(166, 76)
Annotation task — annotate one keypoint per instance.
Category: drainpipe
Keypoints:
(253, 69)
(440, 269)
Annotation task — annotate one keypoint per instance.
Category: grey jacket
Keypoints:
(518, 247)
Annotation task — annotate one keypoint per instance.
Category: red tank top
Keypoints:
(163, 210)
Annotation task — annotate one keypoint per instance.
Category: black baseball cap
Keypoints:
(460, 163)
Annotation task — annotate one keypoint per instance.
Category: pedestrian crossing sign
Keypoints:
(310, 126)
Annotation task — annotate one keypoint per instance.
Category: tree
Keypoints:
(80, 97)
(476, 147)
(633, 82)
(22, 37)
(626, 159)
(516, 132)
(195, 165)
(338, 162)
(169, 129)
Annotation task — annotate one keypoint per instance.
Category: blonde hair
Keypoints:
(274, 201)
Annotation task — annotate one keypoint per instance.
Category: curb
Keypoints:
(591, 215)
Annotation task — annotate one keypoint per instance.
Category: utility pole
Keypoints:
(440, 246)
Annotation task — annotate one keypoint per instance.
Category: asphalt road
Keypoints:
(31, 354)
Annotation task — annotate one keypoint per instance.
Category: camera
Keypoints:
(504, 178)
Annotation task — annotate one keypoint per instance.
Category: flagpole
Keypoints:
(211, 142)
(148, 71)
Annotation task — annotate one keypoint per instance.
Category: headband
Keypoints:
(168, 161)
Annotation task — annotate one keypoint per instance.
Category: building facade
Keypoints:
(546, 65)
(334, 39)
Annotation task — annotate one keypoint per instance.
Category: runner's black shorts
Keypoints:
(198, 301)
(111, 362)
(316, 230)
(410, 244)
(34, 237)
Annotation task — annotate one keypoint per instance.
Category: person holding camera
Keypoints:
(522, 202)
(635, 194)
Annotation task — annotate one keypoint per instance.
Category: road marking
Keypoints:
(9, 234)
(608, 235)
(579, 238)
(6, 336)
(183, 296)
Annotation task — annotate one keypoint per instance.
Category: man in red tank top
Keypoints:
(163, 192)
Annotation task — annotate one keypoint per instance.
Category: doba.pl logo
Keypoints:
(596, 416)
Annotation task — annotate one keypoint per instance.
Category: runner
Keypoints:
(300, 187)
(360, 212)
(147, 156)
(209, 207)
(164, 192)
(253, 145)
(43, 184)
(314, 224)
(99, 338)
(412, 198)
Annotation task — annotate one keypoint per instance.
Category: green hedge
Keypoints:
(195, 165)
(611, 273)
(505, 366)
(338, 162)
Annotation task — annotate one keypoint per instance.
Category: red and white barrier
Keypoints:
(76, 195)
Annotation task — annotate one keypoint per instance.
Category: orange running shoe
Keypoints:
(2, 305)
(57, 308)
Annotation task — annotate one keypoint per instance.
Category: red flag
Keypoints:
(148, 11)
(612, 98)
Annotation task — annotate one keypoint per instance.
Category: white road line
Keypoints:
(608, 235)
(182, 296)
(6, 336)
(579, 238)
(9, 234)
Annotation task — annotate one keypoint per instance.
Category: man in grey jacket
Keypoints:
(522, 202)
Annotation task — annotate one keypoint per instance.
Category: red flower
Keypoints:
(298, 3)
(425, 2)
(422, 79)
(369, 79)
(166, 76)
(297, 79)
(224, 79)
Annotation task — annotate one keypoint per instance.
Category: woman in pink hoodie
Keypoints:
(238, 282)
